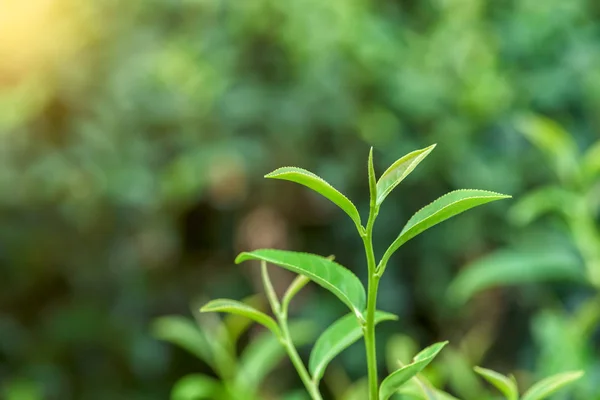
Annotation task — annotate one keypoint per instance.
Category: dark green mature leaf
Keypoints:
(551, 385)
(398, 171)
(396, 379)
(506, 385)
(337, 337)
(196, 387)
(323, 271)
(184, 333)
(513, 267)
(319, 185)
(239, 308)
(440, 210)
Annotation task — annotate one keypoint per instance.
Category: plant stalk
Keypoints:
(373, 285)
(311, 386)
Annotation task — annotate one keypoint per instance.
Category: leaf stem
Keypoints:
(373, 285)
(286, 338)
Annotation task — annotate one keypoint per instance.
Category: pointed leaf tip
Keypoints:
(239, 308)
(396, 379)
(443, 208)
(400, 170)
(319, 185)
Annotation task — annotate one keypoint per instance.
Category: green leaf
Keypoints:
(320, 186)
(239, 308)
(196, 387)
(396, 379)
(552, 140)
(337, 337)
(440, 210)
(398, 171)
(372, 178)
(323, 271)
(184, 333)
(513, 267)
(259, 358)
(506, 385)
(541, 201)
(591, 161)
(237, 325)
(551, 385)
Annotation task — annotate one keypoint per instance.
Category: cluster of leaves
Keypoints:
(349, 290)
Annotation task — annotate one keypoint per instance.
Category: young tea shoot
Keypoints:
(363, 315)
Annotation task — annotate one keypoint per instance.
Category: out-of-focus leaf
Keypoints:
(591, 161)
(337, 337)
(541, 201)
(551, 385)
(236, 324)
(265, 352)
(440, 210)
(553, 140)
(184, 333)
(239, 308)
(323, 271)
(259, 358)
(506, 385)
(512, 267)
(396, 379)
(196, 387)
(400, 170)
(319, 185)
(359, 390)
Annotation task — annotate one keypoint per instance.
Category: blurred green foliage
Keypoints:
(133, 136)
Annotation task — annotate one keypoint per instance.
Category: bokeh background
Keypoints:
(134, 137)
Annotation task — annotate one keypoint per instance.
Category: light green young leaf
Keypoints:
(184, 333)
(297, 284)
(336, 338)
(372, 178)
(323, 271)
(239, 308)
(551, 385)
(196, 387)
(506, 385)
(398, 171)
(445, 207)
(396, 379)
(320, 186)
(236, 325)
(513, 267)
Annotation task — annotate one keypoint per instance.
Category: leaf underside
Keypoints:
(239, 308)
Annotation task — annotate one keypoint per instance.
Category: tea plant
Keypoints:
(363, 316)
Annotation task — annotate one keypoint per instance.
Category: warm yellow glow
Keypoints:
(35, 34)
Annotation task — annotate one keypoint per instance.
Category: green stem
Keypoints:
(286, 340)
(373, 285)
